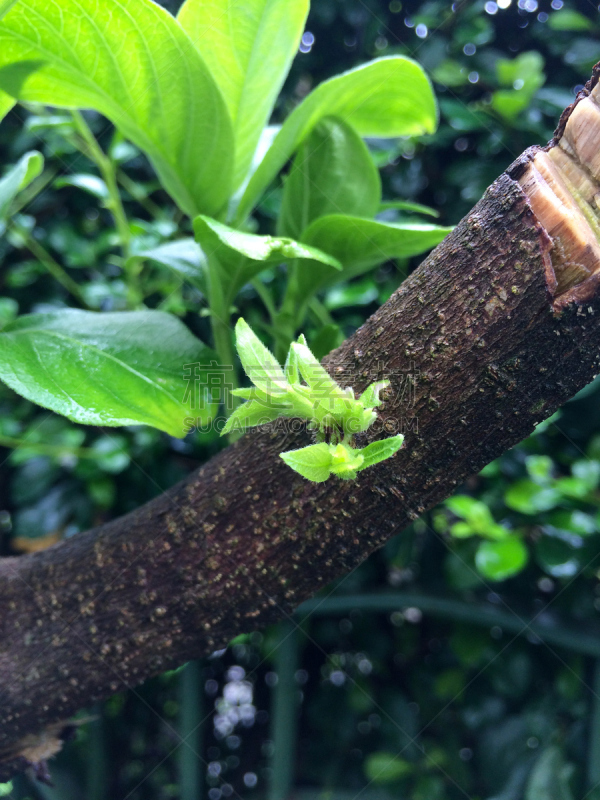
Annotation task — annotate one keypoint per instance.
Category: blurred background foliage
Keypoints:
(460, 661)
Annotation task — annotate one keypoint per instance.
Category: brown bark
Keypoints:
(244, 540)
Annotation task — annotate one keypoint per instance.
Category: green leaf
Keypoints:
(557, 557)
(291, 368)
(332, 173)
(477, 514)
(378, 451)
(462, 505)
(405, 205)
(312, 462)
(381, 768)
(18, 178)
(315, 375)
(384, 98)
(500, 560)
(370, 397)
(131, 61)
(112, 454)
(104, 369)
(183, 257)
(588, 472)
(5, 6)
(567, 19)
(360, 244)
(241, 256)
(260, 365)
(530, 498)
(250, 414)
(539, 469)
(345, 461)
(91, 184)
(524, 74)
(248, 48)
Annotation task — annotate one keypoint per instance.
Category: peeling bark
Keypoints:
(478, 335)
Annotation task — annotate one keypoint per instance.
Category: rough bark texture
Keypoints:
(244, 540)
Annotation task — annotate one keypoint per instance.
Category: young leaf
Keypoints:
(260, 365)
(184, 257)
(384, 98)
(312, 462)
(242, 256)
(248, 48)
(315, 375)
(378, 451)
(332, 173)
(291, 368)
(345, 461)
(19, 177)
(120, 368)
(130, 60)
(370, 397)
(250, 414)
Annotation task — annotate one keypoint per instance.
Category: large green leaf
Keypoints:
(25, 170)
(360, 244)
(6, 104)
(333, 173)
(248, 47)
(130, 60)
(123, 368)
(241, 256)
(6, 101)
(5, 6)
(386, 97)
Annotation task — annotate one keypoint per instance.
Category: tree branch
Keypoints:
(481, 343)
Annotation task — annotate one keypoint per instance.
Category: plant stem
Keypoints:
(107, 169)
(53, 267)
(321, 314)
(265, 295)
(220, 321)
(285, 712)
(130, 186)
(31, 192)
(191, 718)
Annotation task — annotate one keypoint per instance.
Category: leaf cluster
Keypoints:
(303, 389)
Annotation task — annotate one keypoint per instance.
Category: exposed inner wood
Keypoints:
(562, 184)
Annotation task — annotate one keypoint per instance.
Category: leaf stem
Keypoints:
(131, 186)
(220, 320)
(321, 314)
(107, 169)
(53, 267)
(265, 295)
